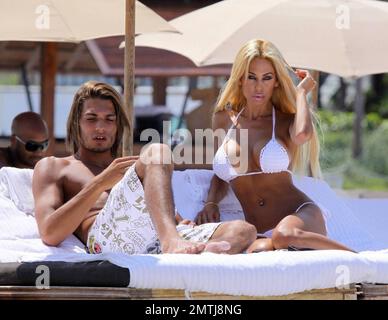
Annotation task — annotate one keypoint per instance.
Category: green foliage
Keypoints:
(9, 78)
(375, 156)
(373, 121)
(356, 176)
(336, 137)
(382, 106)
(335, 149)
(336, 120)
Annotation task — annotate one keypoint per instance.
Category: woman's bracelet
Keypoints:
(212, 203)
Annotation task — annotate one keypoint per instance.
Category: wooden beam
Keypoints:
(75, 57)
(99, 57)
(129, 69)
(47, 88)
(3, 45)
(170, 72)
(370, 291)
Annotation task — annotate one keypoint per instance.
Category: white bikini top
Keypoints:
(273, 157)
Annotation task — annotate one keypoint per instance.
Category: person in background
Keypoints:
(29, 142)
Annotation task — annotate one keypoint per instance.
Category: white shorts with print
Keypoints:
(124, 224)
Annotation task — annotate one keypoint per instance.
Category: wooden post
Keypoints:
(315, 92)
(159, 91)
(47, 89)
(129, 70)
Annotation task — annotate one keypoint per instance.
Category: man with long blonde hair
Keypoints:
(113, 203)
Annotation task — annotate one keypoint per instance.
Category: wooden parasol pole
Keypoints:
(47, 89)
(129, 70)
(315, 92)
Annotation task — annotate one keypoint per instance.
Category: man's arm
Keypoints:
(56, 219)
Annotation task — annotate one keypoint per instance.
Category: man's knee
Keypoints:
(243, 230)
(282, 237)
(157, 154)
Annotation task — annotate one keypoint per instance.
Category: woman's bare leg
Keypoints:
(261, 244)
(305, 229)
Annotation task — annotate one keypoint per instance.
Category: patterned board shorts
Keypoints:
(124, 224)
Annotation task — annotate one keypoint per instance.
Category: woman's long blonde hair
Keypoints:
(306, 158)
(100, 90)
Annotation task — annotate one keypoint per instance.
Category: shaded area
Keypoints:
(76, 274)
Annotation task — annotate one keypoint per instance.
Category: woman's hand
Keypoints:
(180, 220)
(308, 83)
(209, 213)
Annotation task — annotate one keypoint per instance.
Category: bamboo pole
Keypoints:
(129, 70)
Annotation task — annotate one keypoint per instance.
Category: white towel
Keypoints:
(18, 227)
(16, 185)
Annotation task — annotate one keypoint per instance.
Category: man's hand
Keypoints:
(308, 83)
(210, 213)
(115, 172)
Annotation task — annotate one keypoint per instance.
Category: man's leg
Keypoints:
(240, 234)
(154, 169)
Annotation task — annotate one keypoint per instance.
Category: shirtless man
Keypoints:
(29, 141)
(113, 203)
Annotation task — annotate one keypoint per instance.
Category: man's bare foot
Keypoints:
(183, 246)
(217, 247)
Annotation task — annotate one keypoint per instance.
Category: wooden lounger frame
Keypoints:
(361, 291)
(23, 292)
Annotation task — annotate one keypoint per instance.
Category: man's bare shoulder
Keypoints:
(53, 166)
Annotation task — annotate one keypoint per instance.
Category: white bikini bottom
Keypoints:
(325, 215)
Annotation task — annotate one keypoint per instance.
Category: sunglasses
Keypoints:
(33, 146)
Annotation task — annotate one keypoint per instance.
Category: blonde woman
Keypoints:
(269, 135)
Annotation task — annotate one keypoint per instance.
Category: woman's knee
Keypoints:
(260, 245)
(283, 236)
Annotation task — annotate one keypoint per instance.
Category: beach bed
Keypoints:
(74, 274)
